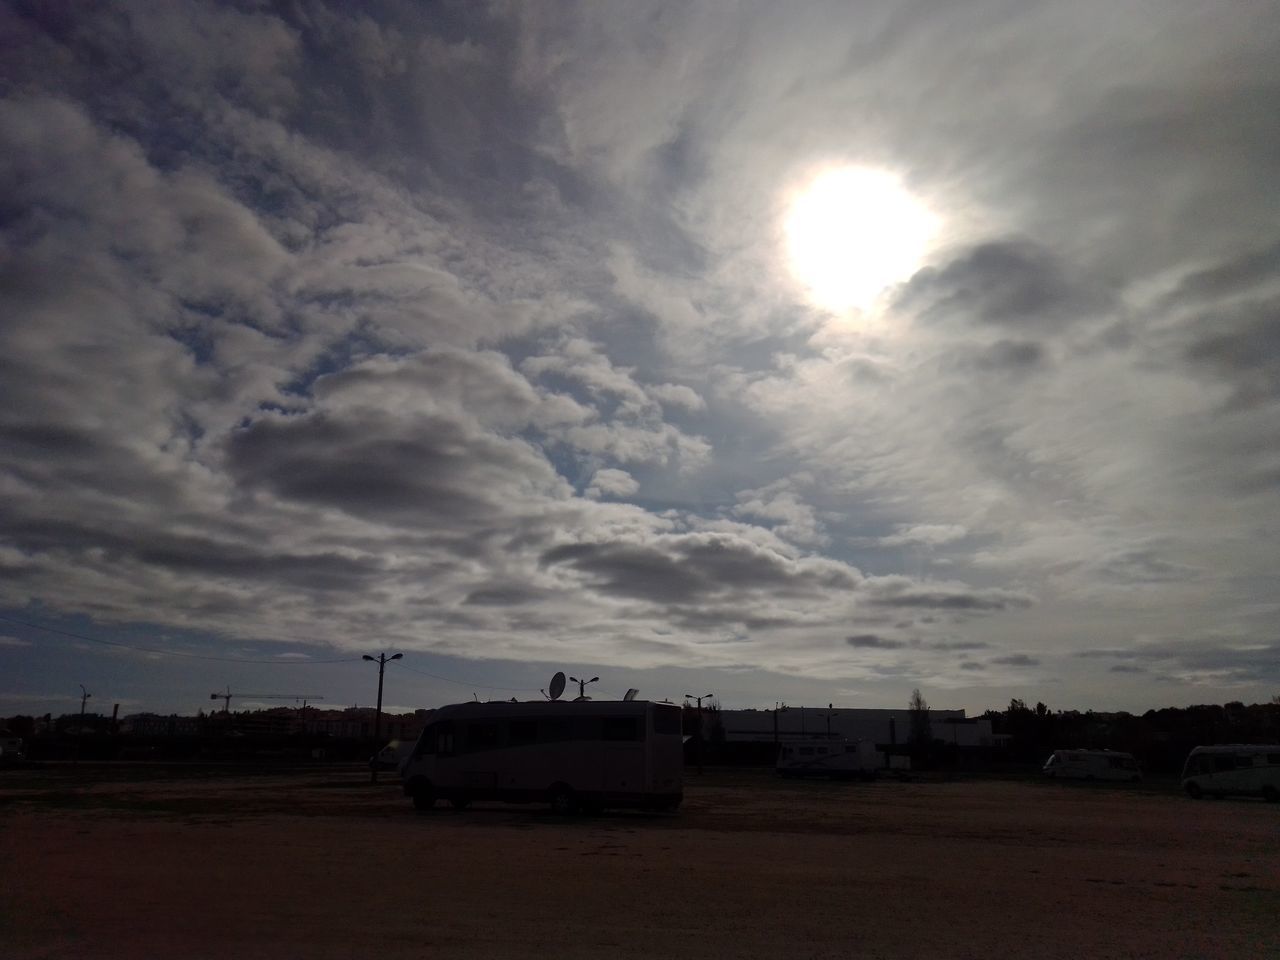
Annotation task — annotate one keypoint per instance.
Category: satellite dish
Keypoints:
(557, 685)
(630, 694)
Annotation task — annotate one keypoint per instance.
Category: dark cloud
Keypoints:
(1202, 661)
(972, 665)
(1013, 283)
(1241, 274)
(698, 568)
(422, 470)
(951, 598)
(958, 645)
(1016, 660)
(873, 641)
(1241, 345)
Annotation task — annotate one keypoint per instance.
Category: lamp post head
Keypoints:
(367, 657)
(593, 680)
(397, 656)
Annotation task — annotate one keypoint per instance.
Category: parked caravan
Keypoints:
(1242, 769)
(11, 748)
(1092, 765)
(579, 755)
(842, 759)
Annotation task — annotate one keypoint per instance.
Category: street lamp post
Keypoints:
(381, 660)
(705, 696)
(84, 695)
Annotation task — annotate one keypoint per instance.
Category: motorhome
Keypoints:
(11, 748)
(836, 759)
(1092, 765)
(1242, 769)
(578, 755)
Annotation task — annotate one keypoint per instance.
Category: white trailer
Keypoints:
(837, 759)
(576, 755)
(1092, 765)
(1243, 769)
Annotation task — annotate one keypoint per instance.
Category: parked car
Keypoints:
(389, 757)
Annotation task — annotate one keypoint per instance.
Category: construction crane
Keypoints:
(226, 696)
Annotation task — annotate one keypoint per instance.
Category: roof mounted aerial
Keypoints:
(582, 687)
(630, 694)
(557, 686)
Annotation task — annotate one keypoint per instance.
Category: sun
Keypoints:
(853, 232)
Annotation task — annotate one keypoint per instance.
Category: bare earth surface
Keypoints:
(144, 862)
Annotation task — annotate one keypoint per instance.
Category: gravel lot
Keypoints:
(136, 861)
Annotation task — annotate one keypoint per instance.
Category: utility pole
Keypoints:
(705, 696)
(84, 695)
(381, 660)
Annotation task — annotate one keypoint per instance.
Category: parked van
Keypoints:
(837, 759)
(1243, 769)
(1092, 765)
(575, 755)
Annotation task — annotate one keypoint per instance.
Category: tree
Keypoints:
(919, 707)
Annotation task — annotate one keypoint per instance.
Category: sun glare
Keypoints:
(852, 233)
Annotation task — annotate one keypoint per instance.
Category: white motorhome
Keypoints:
(11, 748)
(1092, 765)
(845, 759)
(577, 755)
(1244, 769)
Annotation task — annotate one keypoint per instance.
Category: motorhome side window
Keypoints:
(1224, 761)
(444, 738)
(554, 730)
(522, 732)
(481, 736)
(620, 728)
(427, 742)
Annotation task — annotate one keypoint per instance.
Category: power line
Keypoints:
(167, 653)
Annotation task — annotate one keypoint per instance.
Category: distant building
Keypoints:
(357, 723)
(876, 726)
(156, 725)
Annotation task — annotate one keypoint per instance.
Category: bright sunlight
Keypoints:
(852, 233)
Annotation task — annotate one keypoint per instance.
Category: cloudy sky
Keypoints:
(790, 351)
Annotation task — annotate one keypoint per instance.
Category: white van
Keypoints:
(1244, 769)
(575, 755)
(845, 759)
(1092, 765)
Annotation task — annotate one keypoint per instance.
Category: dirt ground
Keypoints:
(137, 862)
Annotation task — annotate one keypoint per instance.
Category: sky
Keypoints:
(813, 352)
